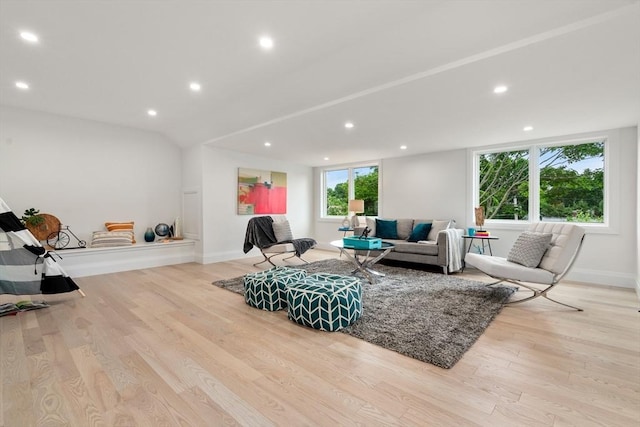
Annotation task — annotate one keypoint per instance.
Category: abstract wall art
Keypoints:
(261, 192)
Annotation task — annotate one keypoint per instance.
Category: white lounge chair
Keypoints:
(566, 242)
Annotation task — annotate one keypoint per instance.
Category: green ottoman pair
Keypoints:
(328, 302)
(267, 290)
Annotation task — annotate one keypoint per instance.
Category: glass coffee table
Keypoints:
(364, 263)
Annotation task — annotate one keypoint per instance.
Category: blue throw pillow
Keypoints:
(386, 229)
(420, 232)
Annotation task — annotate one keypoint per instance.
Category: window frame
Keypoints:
(534, 179)
(350, 184)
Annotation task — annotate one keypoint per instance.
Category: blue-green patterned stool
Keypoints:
(328, 302)
(266, 290)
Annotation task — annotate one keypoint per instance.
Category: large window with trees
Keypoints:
(341, 185)
(550, 182)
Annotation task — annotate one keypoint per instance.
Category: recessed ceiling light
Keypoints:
(195, 86)
(527, 128)
(326, 158)
(500, 89)
(22, 85)
(266, 42)
(349, 125)
(403, 147)
(267, 144)
(152, 113)
(30, 37)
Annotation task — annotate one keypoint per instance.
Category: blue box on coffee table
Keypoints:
(364, 243)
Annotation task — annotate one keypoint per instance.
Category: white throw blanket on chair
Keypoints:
(454, 249)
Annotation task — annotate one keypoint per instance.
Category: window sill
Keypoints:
(524, 225)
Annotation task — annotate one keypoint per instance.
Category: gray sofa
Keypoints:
(442, 247)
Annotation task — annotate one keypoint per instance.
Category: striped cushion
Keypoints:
(120, 226)
(106, 239)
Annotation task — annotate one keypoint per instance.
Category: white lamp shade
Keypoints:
(356, 206)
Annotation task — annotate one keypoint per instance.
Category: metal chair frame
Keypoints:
(268, 258)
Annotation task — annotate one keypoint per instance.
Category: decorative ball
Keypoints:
(162, 229)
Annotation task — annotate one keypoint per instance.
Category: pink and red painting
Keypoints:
(261, 192)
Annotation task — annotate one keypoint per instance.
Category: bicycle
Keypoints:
(60, 239)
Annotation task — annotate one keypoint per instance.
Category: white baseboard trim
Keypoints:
(638, 288)
(224, 256)
(604, 278)
(93, 261)
(327, 247)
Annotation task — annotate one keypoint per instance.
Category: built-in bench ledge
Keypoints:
(91, 261)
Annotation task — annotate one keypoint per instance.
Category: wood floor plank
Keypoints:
(81, 404)
(49, 404)
(163, 346)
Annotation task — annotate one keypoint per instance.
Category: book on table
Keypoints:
(14, 308)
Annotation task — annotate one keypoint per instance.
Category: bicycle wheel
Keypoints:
(58, 240)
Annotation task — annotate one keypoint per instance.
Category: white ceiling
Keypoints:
(418, 73)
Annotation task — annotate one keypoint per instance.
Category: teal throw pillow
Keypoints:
(386, 229)
(420, 232)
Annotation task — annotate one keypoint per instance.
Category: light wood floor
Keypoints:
(163, 346)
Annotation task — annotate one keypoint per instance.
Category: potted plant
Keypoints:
(31, 218)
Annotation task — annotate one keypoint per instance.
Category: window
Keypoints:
(551, 182)
(341, 185)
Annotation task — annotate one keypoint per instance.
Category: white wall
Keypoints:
(638, 211)
(420, 186)
(192, 163)
(223, 230)
(86, 173)
(607, 257)
(438, 185)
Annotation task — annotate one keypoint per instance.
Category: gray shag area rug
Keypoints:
(427, 316)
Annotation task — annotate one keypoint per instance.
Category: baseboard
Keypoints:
(327, 247)
(223, 256)
(604, 278)
(638, 288)
(93, 261)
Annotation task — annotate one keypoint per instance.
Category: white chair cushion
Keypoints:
(282, 231)
(564, 243)
(499, 267)
(279, 248)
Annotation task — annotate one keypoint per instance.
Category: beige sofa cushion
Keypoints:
(436, 227)
(371, 223)
(405, 226)
(428, 248)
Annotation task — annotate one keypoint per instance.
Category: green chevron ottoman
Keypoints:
(266, 290)
(328, 302)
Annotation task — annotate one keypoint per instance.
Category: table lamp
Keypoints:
(479, 213)
(356, 206)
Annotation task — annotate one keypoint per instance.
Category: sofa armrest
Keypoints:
(443, 247)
